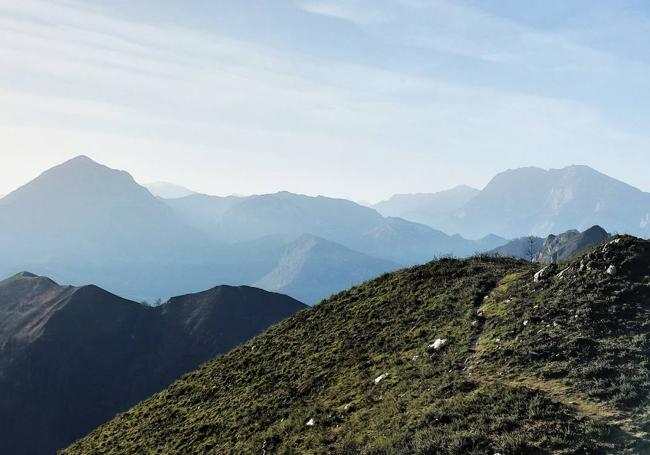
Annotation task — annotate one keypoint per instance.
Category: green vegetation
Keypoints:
(555, 366)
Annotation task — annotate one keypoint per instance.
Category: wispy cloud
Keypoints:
(254, 118)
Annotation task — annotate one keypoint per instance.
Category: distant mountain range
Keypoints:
(83, 222)
(73, 357)
(533, 201)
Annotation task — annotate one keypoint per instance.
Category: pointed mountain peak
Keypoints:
(25, 275)
(83, 163)
(82, 159)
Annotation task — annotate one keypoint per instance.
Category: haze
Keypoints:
(357, 99)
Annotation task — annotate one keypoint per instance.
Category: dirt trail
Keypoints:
(559, 391)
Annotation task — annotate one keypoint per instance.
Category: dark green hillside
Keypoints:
(557, 364)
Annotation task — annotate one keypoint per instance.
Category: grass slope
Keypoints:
(557, 365)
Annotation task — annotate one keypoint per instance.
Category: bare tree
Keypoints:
(531, 251)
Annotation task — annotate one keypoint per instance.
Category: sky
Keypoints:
(357, 98)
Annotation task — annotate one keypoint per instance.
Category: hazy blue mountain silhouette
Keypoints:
(535, 201)
(288, 215)
(81, 209)
(432, 209)
(83, 222)
(312, 268)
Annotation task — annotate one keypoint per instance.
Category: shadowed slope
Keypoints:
(71, 358)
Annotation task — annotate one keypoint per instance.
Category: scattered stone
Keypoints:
(311, 422)
(543, 274)
(525, 322)
(474, 323)
(415, 357)
(380, 378)
(440, 342)
(612, 270)
(561, 274)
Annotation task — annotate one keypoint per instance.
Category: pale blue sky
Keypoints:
(355, 98)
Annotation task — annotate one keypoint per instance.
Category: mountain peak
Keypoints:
(25, 275)
(82, 159)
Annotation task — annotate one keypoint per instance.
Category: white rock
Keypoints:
(561, 274)
(540, 275)
(311, 422)
(380, 378)
(611, 270)
(525, 323)
(440, 342)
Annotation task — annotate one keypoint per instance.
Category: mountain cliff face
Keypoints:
(484, 355)
(531, 201)
(72, 357)
(558, 248)
(312, 268)
(537, 201)
(554, 248)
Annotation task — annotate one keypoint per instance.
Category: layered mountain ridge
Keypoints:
(84, 222)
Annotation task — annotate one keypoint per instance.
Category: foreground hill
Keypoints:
(312, 268)
(72, 357)
(484, 355)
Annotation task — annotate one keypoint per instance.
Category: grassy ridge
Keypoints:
(519, 372)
